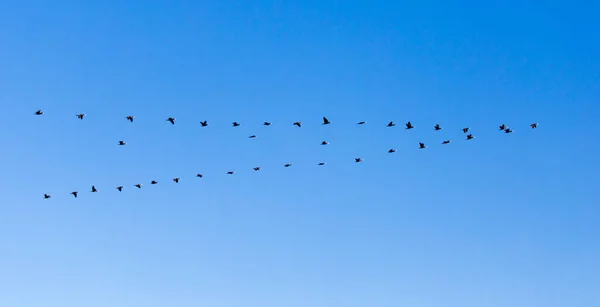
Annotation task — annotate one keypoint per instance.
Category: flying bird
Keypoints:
(81, 116)
(321, 163)
(94, 190)
(139, 185)
(39, 112)
(122, 143)
(230, 172)
(465, 130)
(470, 137)
(267, 123)
(172, 120)
(46, 196)
(120, 188)
(199, 175)
(130, 118)
(287, 165)
(409, 125)
(437, 127)
(74, 193)
(324, 143)
(235, 124)
(257, 168)
(446, 142)
(534, 125)
(252, 136)
(153, 182)
(391, 124)
(422, 145)
(508, 130)
(391, 150)
(176, 180)
(357, 160)
(503, 127)
(204, 123)
(326, 121)
(361, 123)
(299, 124)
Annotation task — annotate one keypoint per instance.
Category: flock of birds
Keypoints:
(408, 126)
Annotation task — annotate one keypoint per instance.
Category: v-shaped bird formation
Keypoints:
(325, 121)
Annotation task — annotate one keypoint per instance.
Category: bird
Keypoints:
(357, 160)
(324, 143)
(153, 182)
(409, 125)
(230, 172)
(437, 127)
(267, 123)
(80, 116)
(465, 130)
(204, 123)
(287, 165)
(321, 163)
(176, 180)
(130, 118)
(534, 125)
(46, 196)
(391, 124)
(257, 168)
(235, 124)
(139, 185)
(299, 124)
(252, 136)
(326, 121)
(94, 190)
(446, 142)
(361, 123)
(422, 145)
(470, 137)
(39, 112)
(122, 143)
(199, 175)
(503, 127)
(391, 150)
(74, 193)
(508, 130)
(120, 188)
(172, 120)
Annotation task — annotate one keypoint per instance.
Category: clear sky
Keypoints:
(501, 220)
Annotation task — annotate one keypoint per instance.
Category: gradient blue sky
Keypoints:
(503, 220)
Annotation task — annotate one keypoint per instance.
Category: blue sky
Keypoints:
(502, 220)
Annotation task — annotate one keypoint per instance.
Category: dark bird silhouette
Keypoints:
(470, 137)
(176, 180)
(508, 130)
(257, 168)
(204, 123)
(299, 124)
(81, 116)
(94, 190)
(534, 125)
(153, 182)
(321, 163)
(46, 196)
(267, 123)
(74, 193)
(199, 175)
(122, 143)
(465, 130)
(139, 185)
(446, 142)
(39, 112)
(324, 143)
(503, 127)
(236, 124)
(130, 118)
(326, 121)
(391, 124)
(391, 150)
(437, 127)
(409, 125)
(422, 146)
(357, 160)
(361, 123)
(172, 120)
(230, 172)
(120, 188)
(287, 165)
(252, 136)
